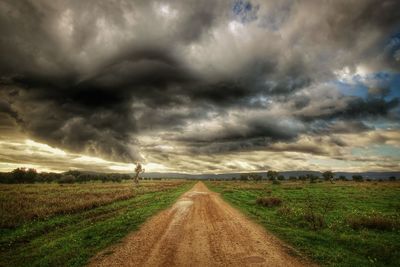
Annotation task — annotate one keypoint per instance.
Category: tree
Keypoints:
(281, 177)
(138, 170)
(392, 178)
(24, 175)
(256, 177)
(328, 176)
(313, 178)
(272, 175)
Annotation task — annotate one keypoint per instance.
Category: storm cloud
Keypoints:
(122, 80)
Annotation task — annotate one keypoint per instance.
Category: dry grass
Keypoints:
(21, 203)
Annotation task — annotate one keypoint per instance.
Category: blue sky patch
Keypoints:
(245, 11)
(359, 85)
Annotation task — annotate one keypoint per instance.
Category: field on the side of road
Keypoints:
(341, 224)
(64, 225)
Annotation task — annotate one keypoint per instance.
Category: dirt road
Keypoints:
(199, 230)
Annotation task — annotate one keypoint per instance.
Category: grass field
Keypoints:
(64, 225)
(341, 224)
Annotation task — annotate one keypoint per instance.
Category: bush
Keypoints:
(302, 177)
(316, 209)
(67, 179)
(285, 211)
(358, 178)
(313, 178)
(373, 221)
(269, 201)
(6, 178)
(276, 182)
(316, 220)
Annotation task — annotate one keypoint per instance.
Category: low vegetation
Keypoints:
(25, 202)
(64, 225)
(336, 224)
(269, 201)
(373, 221)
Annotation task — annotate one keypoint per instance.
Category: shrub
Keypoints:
(67, 179)
(316, 209)
(358, 178)
(285, 211)
(302, 177)
(313, 178)
(255, 177)
(373, 221)
(316, 220)
(269, 201)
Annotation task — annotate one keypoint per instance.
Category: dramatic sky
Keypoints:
(200, 86)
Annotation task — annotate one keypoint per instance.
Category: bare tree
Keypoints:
(328, 176)
(138, 170)
(272, 175)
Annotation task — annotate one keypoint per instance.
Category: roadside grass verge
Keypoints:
(341, 224)
(20, 203)
(71, 239)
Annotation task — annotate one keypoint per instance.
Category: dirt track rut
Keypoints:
(200, 229)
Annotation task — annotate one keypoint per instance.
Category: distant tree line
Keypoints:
(312, 178)
(30, 175)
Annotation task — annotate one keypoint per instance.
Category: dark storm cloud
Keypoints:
(6, 109)
(341, 126)
(93, 76)
(378, 91)
(352, 108)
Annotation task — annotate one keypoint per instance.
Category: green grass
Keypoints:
(71, 239)
(336, 243)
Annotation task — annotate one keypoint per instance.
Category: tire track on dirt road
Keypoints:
(200, 229)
